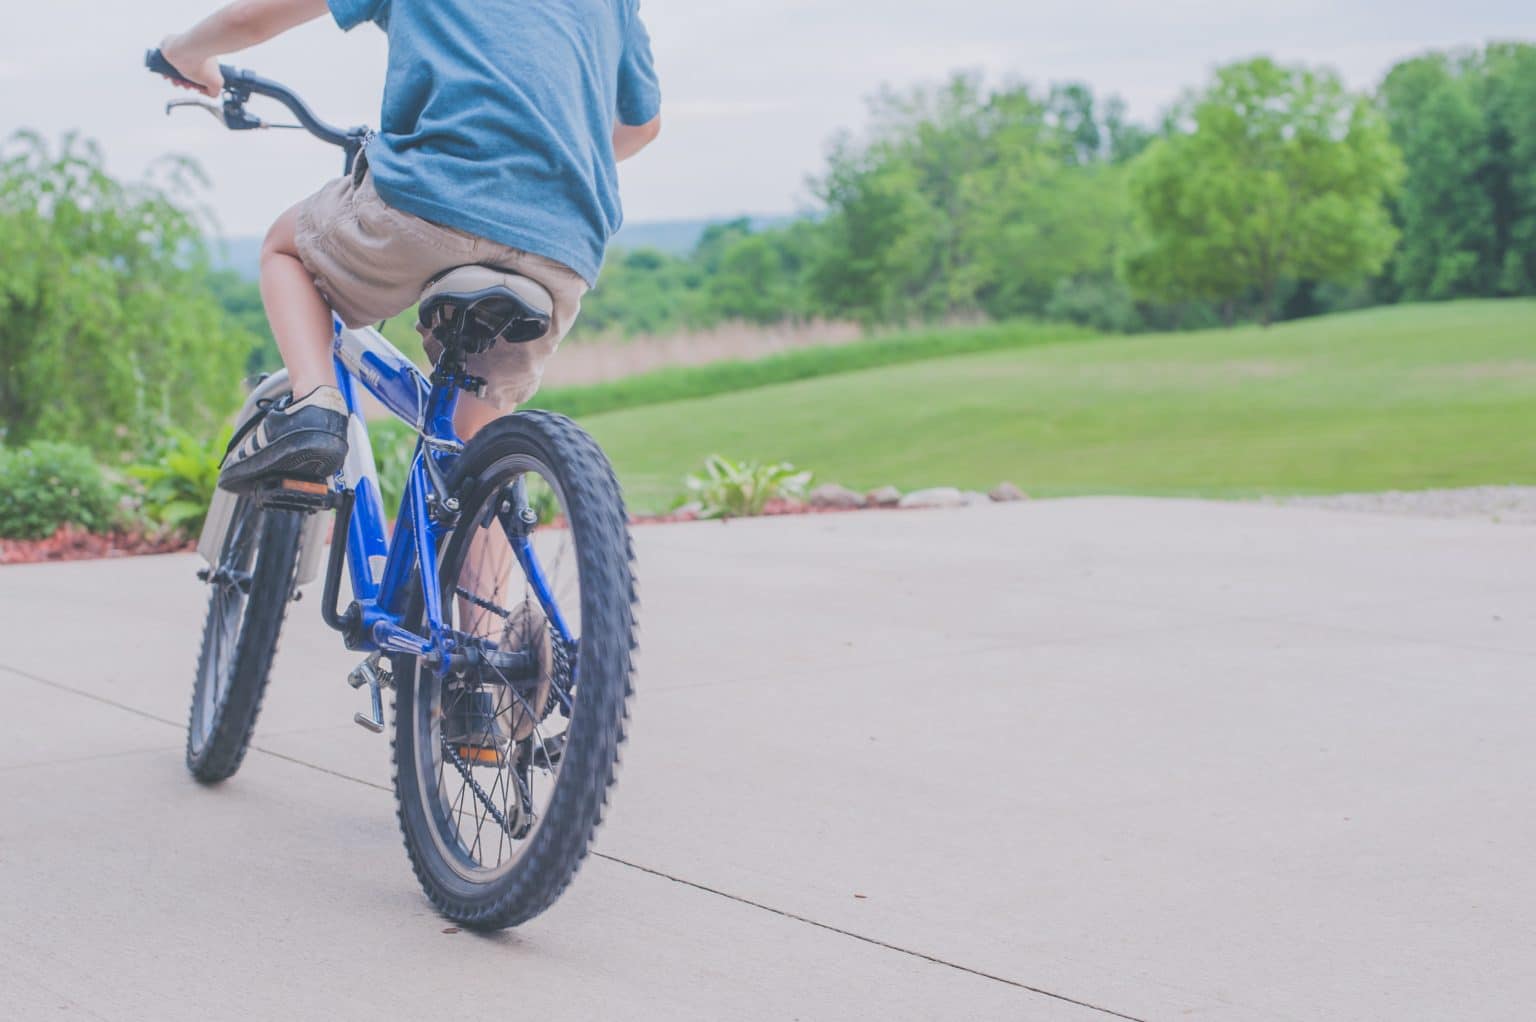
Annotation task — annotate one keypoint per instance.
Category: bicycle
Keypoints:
(510, 698)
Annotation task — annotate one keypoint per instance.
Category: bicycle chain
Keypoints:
(560, 678)
(500, 612)
(480, 793)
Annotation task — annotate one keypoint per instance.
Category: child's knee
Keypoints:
(280, 239)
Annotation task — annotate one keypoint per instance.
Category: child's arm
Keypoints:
(244, 23)
(630, 139)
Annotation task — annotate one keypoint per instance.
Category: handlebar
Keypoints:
(239, 86)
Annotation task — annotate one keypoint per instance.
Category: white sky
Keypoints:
(753, 90)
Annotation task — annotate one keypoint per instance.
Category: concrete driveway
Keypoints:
(1068, 760)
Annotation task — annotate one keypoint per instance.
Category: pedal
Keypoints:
(368, 673)
(304, 495)
(478, 755)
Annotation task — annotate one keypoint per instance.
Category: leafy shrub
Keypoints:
(1098, 303)
(48, 484)
(729, 489)
(178, 483)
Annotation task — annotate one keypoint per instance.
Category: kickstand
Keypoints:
(368, 673)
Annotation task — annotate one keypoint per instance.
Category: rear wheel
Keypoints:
(503, 763)
(250, 589)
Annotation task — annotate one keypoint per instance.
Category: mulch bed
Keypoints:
(71, 543)
(75, 544)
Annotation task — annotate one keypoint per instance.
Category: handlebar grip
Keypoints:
(156, 62)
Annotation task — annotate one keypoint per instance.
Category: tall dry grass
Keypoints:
(583, 360)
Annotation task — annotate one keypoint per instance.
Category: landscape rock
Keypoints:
(972, 498)
(939, 496)
(1007, 493)
(885, 496)
(831, 495)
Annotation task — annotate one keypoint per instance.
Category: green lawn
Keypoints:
(1400, 398)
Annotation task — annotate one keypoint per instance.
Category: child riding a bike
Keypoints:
(500, 608)
(502, 124)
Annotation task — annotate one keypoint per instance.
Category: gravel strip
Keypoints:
(1509, 505)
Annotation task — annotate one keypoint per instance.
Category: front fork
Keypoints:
(519, 520)
(371, 626)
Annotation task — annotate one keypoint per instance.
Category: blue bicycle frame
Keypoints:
(382, 570)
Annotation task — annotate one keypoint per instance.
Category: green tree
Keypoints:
(761, 277)
(108, 333)
(1044, 207)
(642, 291)
(966, 200)
(882, 236)
(241, 300)
(1273, 173)
(1127, 139)
(1073, 113)
(1466, 124)
(894, 243)
(1445, 214)
(1513, 102)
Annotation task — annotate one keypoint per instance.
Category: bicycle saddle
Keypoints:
(471, 308)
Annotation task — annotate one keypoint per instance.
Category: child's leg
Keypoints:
(298, 313)
(488, 564)
(474, 414)
(307, 438)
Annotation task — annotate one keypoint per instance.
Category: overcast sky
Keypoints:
(753, 89)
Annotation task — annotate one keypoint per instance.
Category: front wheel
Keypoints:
(503, 762)
(250, 589)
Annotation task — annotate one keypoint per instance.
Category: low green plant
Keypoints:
(394, 448)
(732, 489)
(48, 484)
(178, 482)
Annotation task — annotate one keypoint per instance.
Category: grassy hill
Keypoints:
(1398, 398)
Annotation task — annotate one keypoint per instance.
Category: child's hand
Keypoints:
(204, 71)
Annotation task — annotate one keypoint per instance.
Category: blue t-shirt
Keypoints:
(498, 116)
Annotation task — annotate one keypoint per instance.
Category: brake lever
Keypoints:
(202, 104)
(233, 114)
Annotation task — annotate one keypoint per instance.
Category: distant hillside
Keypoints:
(242, 255)
(675, 237)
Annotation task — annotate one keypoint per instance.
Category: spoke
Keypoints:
(473, 785)
(458, 805)
(538, 738)
(229, 631)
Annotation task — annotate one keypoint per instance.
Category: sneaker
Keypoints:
(304, 439)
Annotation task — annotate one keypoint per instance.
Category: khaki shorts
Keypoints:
(372, 262)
